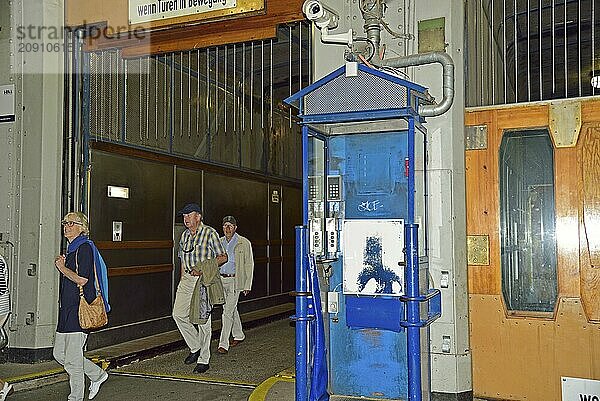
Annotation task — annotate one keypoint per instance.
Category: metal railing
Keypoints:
(530, 50)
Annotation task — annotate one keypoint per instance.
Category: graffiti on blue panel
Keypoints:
(369, 206)
(379, 278)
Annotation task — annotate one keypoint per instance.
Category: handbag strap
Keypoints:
(96, 284)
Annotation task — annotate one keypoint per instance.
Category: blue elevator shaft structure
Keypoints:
(364, 217)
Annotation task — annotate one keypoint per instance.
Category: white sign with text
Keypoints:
(7, 103)
(575, 389)
(153, 10)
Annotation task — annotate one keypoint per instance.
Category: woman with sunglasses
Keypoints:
(76, 269)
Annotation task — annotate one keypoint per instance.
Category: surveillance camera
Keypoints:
(320, 14)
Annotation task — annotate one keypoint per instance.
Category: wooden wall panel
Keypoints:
(481, 168)
(522, 117)
(589, 150)
(590, 111)
(567, 221)
(199, 42)
(524, 358)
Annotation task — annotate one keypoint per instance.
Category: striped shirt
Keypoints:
(203, 245)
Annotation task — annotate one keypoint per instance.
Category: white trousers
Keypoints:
(231, 323)
(68, 351)
(195, 338)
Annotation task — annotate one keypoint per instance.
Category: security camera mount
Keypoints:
(325, 19)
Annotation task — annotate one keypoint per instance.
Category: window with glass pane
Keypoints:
(527, 218)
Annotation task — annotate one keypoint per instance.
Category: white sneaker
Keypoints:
(95, 386)
(5, 391)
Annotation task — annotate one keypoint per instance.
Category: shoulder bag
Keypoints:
(92, 315)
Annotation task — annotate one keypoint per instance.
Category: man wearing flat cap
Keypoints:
(236, 275)
(198, 243)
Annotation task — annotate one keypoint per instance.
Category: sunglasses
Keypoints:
(70, 223)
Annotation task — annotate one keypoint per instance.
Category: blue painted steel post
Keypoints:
(301, 315)
(411, 277)
(302, 282)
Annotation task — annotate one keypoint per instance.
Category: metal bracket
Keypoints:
(476, 137)
(308, 318)
(434, 308)
(565, 122)
(300, 294)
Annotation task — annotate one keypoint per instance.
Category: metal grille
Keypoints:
(221, 104)
(105, 80)
(347, 94)
(533, 50)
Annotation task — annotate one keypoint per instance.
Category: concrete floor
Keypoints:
(268, 351)
(122, 388)
(251, 362)
(232, 376)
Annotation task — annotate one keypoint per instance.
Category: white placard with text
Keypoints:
(7, 103)
(576, 389)
(155, 10)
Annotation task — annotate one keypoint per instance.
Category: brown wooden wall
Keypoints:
(521, 356)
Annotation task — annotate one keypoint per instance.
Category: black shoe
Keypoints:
(192, 357)
(201, 368)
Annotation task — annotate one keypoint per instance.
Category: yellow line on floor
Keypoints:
(187, 377)
(104, 363)
(260, 392)
(288, 373)
(36, 375)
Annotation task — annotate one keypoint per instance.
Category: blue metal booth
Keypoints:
(363, 301)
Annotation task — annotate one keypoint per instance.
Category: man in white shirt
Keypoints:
(236, 276)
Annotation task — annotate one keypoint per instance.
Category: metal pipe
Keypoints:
(492, 53)
(251, 87)
(539, 32)
(516, 52)
(243, 91)
(504, 60)
(76, 126)
(147, 104)
(155, 65)
(372, 26)
(443, 58)
(67, 115)
(565, 64)
(528, 54)
(198, 93)
(225, 73)
(290, 75)
(593, 48)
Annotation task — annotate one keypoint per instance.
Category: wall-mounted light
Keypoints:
(596, 81)
(118, 192)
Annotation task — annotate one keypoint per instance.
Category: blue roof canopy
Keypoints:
(358, 93)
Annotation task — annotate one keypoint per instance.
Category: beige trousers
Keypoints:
(195, 338)
(68, 351)
(232, 325)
